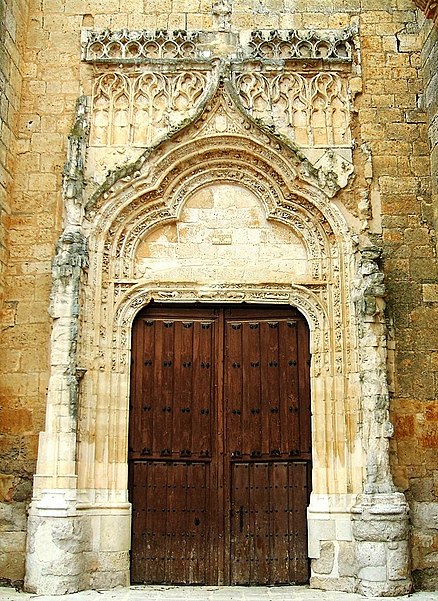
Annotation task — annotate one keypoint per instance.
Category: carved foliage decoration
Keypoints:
(134, 47)
(138, 46)
(135, 109)
(312, 110)
(278, 44)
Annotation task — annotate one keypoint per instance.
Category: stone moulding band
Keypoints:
(299, 296)
(136, 47)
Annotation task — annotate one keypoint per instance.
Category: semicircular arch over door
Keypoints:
(220, 445)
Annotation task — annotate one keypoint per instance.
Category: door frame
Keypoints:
(166, 310)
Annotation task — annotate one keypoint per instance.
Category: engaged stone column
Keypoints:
(380, 515)
(58, 538)
(381, 528)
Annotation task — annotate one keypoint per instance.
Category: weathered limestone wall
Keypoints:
(417, 419)
(389, 201)
(15, 467)
(410, 237)
(430, 99)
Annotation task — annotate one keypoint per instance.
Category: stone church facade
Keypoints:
(234, 154)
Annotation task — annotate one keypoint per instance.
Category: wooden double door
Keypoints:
(220, 445)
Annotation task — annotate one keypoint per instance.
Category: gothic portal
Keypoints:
(201, 195)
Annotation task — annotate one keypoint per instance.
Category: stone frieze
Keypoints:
(134, 47)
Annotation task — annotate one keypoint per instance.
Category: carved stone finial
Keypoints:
(221, 11)
(73, 175)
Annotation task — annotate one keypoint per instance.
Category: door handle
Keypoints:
(241, 519)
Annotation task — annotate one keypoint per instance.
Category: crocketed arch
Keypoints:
(155, 196)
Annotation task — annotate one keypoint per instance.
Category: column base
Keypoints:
(55, 562)
(70, 549)
(381, 530)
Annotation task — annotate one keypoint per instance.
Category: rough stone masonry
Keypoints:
(147, 149)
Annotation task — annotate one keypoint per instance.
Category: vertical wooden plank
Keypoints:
(159, 501)
(135, 433)
(251, 390)
(197, 424)
(202, 389)
(233, 386)
(137, 548)
(275, 421)
(290, 426)
(279, 524)
(260, 523)
(220, 476)
(182, 393)
(270, 387)
(176, 499)
(146, 403)
(299, 565)
(161, 398)
(157, 521)
(197, 524)
(304, 387)
(240, 527)
(266, 391)
(143, 481)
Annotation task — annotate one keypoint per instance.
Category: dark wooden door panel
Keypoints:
(266, 387)
(170, 522)
(219, 445)
(268, 526)
(172, 388)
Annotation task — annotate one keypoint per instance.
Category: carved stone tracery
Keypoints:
(312, 110)
(136, 46)
(280, 44)
(133, 47)
(147, 84)
(137, 108)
